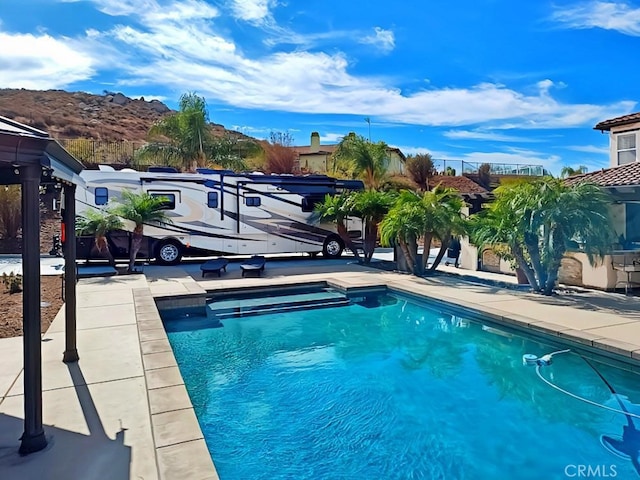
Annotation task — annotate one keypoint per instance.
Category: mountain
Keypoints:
(71, 115)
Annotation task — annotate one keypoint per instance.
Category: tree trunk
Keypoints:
(524, 266)
(409, 252)
(424, 261)
(136, 243)
(438, 259)
(102, 245)
(370, 237)
(531, 244)
(344, 235)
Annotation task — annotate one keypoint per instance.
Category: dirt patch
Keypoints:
(11, 307)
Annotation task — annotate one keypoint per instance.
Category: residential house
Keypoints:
(624, 137)
(622, 266)
(316, 158)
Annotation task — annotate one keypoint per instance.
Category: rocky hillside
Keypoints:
(71, 115)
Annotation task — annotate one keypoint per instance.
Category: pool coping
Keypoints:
(173, 421)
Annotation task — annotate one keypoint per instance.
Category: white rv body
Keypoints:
(223, 212)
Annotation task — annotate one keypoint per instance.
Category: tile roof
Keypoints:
(306, 150)
(463, 184)
(628, 174)
(618, 121)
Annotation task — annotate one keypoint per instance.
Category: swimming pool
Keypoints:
(384, 386)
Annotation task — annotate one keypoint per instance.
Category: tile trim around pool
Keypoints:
(181, 451)
(179, 442)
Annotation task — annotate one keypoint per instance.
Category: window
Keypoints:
(626, 148)
(102, 195)
(309, 203)
(252, 201)
(169, 200)
(212, 199)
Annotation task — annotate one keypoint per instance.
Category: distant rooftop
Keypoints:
(606, 125)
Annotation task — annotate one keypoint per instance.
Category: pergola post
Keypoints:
(70, 352)
(33, 438)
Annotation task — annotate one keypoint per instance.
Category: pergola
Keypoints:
(31, 158)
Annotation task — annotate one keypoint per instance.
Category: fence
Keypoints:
(95, 152)
(460, 167)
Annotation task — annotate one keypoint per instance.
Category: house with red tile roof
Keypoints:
(622, 181)
(624, 138)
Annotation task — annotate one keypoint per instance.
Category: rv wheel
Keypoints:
(169, 252)
(333, 247)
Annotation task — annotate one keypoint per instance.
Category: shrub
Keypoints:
(12, 282)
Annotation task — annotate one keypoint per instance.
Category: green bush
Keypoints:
(12, 282)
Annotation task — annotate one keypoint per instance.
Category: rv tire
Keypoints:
(169, 252)
(332, 248)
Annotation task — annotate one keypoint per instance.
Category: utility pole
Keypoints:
(368, 120)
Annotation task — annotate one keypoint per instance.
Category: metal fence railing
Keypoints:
(460, 167)
(93, 152)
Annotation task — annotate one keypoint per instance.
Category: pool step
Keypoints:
(275, 304)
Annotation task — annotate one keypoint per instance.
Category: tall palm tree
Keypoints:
(366, 160)
(540, 220)
(98, 223)
(338, 208)
(183, 137)
(371, 206)
(140, 208)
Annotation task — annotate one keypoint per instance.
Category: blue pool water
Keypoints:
(394, 389)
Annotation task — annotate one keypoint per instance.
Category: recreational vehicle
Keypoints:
(222, 212)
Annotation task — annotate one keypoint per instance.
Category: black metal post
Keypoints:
(70, 311)
(33, 438)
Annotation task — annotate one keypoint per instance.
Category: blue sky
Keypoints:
(471, 80)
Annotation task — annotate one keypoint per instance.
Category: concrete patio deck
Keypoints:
(122, 412)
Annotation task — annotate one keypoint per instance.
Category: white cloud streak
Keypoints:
(383, 39)
(619, 16)
(484, 135)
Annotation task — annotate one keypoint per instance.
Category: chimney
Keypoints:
(315, 142)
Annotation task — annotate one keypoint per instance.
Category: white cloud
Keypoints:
(619, 16)
(331, 138)
(589, 149)
(41, 62)
(485, 135)
(381, 38)
(255, 11)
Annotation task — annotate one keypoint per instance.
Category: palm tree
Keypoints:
(539, 221)
(434, 214)
(98, 223)
(338, 208)
(181, 138)
(570, 172)
(365, 159)
(421, 168)
(371, 206)
(402, 226)
(140, 208)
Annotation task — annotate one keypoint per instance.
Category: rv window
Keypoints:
(309, 203)
(102, 195)
(252, 201)
(212, 200)
(169, 200)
